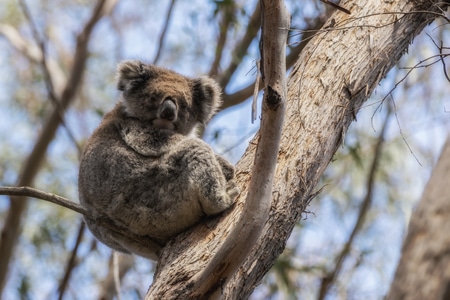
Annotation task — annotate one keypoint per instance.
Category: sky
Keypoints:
(418, 131)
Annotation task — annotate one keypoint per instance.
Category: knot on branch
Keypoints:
(273, 98)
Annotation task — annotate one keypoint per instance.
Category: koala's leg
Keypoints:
(217, 186)
(125, 243)
(142, 246)
(227, 167)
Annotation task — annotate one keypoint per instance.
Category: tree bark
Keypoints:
(334, 75)
(424, 268)
(246, 231)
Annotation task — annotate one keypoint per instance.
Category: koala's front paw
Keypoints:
(232, 190)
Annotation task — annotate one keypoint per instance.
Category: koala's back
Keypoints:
(154, 197)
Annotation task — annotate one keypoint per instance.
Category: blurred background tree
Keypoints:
(66, 51)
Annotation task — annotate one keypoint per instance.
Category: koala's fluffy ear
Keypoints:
(131, 73)
(207, 97)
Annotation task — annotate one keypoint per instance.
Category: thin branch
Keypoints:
(53, 96)
(227, 20)
(34, 53)
(329, 279)
(401, 131)
(240, 96)
(420, 64)
(443, 55)
(240, 50)
(31, 51)
(17, 194)
(108, 288)
(162, 36)
(337, 6)
(25, 191)
(255, 93)
(10, 231)
(71, 262)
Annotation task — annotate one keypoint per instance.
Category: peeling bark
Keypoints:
(334, 75)
(332, 78)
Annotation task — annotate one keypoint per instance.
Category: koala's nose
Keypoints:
(168, 110)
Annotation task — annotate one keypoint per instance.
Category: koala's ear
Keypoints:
(207, 98)
(133, 72)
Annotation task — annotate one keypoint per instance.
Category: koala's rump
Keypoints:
(150, 196)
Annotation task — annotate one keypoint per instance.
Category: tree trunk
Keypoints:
(335, 74)
(424, 268)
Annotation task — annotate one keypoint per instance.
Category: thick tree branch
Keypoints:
(334, 75)
(30, 168)
(210, 282)
(325, 90)
(275, 25)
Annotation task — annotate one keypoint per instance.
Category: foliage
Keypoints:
(417, 113)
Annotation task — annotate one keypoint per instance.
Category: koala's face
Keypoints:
(165, 99)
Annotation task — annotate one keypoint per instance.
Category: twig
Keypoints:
(420, 64)
(123, 263)
(255, 92)
(442, 55)
(97, 217)
(240, 96)
(162, 36)
(116, 274)
(227, 20)
(337, 6)
(241, 48)
(26, 191)
(71, 262)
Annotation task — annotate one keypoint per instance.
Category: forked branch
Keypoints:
(223, 264)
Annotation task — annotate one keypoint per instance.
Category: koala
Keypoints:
(143, 169)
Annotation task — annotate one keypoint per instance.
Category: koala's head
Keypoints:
(165, 99)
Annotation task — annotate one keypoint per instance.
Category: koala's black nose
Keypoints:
(168, 110)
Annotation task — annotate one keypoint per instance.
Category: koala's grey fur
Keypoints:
(142, 169)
